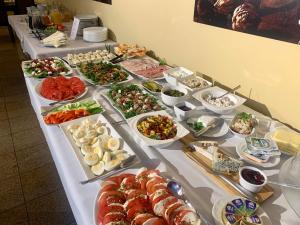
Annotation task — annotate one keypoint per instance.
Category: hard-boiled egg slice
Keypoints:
(91, 159)
(102, 130)
(106, 157)
(86, 149)
(72, 128)
(99, 151)
(112, 164)
(115, 153)
(104, 140)
(122, 156)
(94, 141)
(78, 134)
(84, 140)
(113, 144)
(98, 169)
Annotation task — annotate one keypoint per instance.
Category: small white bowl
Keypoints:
(249, 186)
(239, 134)
(183, 115)
(170, 100)
(172, 79)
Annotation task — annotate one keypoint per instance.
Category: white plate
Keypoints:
(23, 65)
(160, 77)
(216, 132)
(38, 92)
(181, 131)
(219, 206)
(216, 91)
(273, 161)
(129, 78)
(112, 132)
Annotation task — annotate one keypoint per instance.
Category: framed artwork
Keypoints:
(277, 19)
(104, 1)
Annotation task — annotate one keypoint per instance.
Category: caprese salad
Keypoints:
(141, 199)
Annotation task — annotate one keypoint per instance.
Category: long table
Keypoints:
(203, 192)
(32, 46)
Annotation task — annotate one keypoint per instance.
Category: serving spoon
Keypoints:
(228, 92)
(178, 191)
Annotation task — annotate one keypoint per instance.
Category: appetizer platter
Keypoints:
(48, 67)
(130, 50)
(61, 89)
(139, 199)
(103, 73)
(98, 55)
(215, 163)
(157, 129)
(243, 124)
(209, 98)
(145, 68)
(71, 111)
(130, 100)
(97, 145)
(239, 211)
(152, 86)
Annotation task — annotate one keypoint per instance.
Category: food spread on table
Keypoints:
(142, 199)
(131, 100)
(240, 212)
(98, 55)
(145, 67)
(103, 73)
(130, 50)
(73, 110)
(100, 150)
(152, 86)
(243, 123)
(48, 67)
(219, 102)
(61, 88)
(157, 127)
(194, 82)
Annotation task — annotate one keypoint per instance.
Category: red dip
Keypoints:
(253, 177)
(184, 108)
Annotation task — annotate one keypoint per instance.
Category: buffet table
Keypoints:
(32, 46)
(201, 190)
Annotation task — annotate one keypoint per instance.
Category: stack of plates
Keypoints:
(95, 34)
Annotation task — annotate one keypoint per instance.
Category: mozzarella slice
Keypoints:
(159, 207)
(98, 169)
(91, 159)
(190, 218)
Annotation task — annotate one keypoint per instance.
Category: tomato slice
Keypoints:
(138, 209)
(139, 200)
(118, 179)
(106, 194)
(159, 221)
(113, 217)
(133, 193)
(110, 208)
(145, 174)
(153, 181)
(110, 187)
(156, 187)
(179, 216)
(140, 219)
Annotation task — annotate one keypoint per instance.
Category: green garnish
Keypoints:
(245, 116)
(197, 126)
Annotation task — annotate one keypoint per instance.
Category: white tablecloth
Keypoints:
(32, 46)
(199, 188)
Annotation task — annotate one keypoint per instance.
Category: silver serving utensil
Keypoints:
(212, 124)
(178, 191)
(228, 92)
(127, 163)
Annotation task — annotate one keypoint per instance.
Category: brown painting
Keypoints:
(278, 19)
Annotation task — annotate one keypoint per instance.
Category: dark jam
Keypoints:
(253, 177)
(184, 108)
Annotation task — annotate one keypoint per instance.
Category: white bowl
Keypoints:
(216, 91)
(238, 134)
(170, 100)
(183, 115)
(181, 131)
(170, 75)
(249, 186)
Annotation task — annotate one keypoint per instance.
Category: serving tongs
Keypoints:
(229, 181)
(226, 93)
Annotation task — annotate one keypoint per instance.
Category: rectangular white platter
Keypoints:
(76, 149)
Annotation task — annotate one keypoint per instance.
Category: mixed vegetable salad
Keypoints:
(42, 68)
(157, 127)
(103, 73)
(132, 100)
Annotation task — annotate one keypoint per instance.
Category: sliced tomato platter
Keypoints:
(141, 199)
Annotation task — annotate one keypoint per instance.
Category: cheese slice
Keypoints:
(287, 140)
(225, 164)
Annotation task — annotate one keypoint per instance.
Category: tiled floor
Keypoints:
(30, 189)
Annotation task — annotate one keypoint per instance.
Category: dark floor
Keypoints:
(30, 189)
